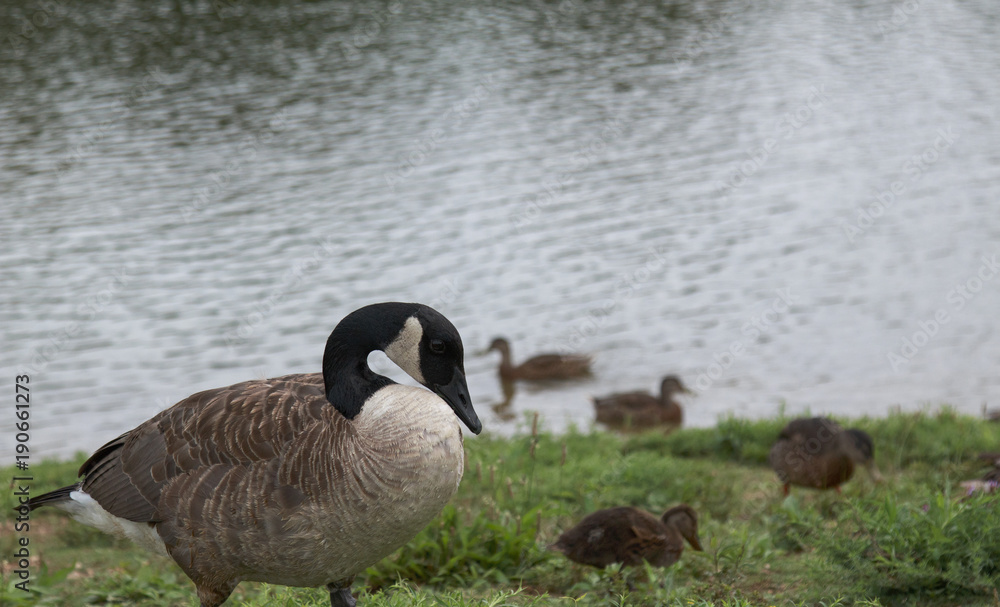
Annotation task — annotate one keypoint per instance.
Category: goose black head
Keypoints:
(419, 339)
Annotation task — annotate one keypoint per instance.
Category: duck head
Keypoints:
(499, 344)
(685, 520)
(862, 450)
(672, 384)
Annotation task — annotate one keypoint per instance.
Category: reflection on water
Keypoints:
(780, 204)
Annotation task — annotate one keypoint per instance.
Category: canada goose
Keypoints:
(629, 536)
(541, 367)
(818, 453)
(300, 480)
(642, 409)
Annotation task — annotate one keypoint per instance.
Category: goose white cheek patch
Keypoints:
(405, 349)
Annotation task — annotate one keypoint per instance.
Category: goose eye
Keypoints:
(437, 346)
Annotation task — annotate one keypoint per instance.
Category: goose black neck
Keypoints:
(348, 380)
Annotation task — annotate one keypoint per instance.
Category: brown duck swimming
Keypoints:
(816, 452)
(541, 367)
(641, 409)
(630, 536)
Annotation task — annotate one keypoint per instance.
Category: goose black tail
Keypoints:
(52, 497)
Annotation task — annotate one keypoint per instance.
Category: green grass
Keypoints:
(914, 540)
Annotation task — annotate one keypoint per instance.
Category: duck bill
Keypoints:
(456, 394)
(874, 473)
(693, 540)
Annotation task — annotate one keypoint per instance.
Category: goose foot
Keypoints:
(340, 596)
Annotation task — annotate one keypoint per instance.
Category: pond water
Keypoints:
(787, 205)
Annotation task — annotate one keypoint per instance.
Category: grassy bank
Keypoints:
(914, 540)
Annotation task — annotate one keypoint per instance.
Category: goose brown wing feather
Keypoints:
(202, 438)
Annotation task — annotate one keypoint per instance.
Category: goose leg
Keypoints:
(785, 488)
(340, 594)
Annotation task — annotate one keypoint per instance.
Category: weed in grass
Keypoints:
(632, 587)
(732, 439)
(792, 525)
(41, 586)
(459, 551)
(143, 585)
(901, 439)
(944, 546)
(736, 550)
(400, 594)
